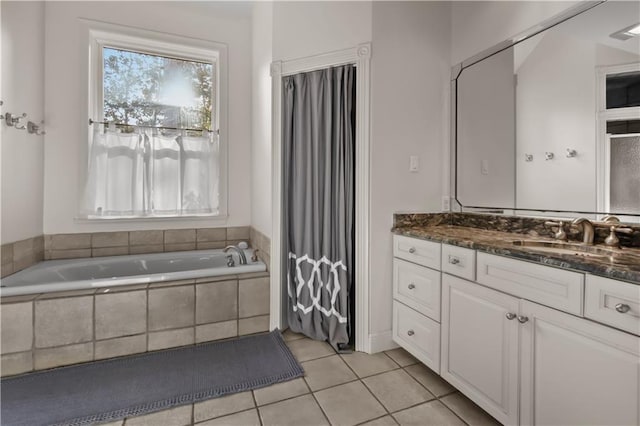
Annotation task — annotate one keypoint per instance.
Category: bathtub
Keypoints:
(78, 274)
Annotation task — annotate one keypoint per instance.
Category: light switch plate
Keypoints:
(446, 203)
(484, 167)
(414, 163)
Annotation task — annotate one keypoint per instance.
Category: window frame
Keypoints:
(101, 35)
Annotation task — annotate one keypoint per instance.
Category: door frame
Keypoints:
(360, 56)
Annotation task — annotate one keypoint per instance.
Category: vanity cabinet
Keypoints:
(528, 343)
(480, 346)
(416, 298)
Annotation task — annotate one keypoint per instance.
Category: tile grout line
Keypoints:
(33, 338)
(316, 401)
(255, 406)
(93, 326)
(367, 388)
(436, 397)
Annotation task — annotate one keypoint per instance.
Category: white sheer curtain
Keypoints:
(151, 173)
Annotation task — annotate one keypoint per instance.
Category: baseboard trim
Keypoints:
(379, 342)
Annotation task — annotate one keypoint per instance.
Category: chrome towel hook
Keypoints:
(13, 120)
(35, 128)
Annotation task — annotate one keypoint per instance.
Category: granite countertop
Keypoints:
(623, 264)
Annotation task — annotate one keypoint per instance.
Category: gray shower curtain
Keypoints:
(318, 201)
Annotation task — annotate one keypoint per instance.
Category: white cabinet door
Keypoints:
(576, 372)
(480, 346)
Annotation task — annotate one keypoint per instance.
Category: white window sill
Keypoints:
(217, 219)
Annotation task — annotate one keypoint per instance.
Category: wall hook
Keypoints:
(571, 153)
(34, 128)
(548, 156)
(14, 120)
(528, 158)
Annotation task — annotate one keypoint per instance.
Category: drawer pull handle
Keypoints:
(522, 319)
(510, 315)
(623, 308)
(411, 332)
(412, 286)
(412, 250)
(454, 260)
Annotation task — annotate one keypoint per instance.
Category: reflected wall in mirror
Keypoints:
(552, 122)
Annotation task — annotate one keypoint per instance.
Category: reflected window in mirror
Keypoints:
(619, 117)
(623, 90)
(624, 172)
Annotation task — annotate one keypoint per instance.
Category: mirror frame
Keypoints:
(456, 70)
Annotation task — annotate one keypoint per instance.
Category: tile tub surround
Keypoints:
(97, 244)
(533, 227)
(262, 243)
(624, 265)
(55, 329)
(21, 254)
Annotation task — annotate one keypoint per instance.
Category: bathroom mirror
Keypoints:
(550, 121)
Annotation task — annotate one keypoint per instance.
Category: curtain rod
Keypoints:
(91, 122)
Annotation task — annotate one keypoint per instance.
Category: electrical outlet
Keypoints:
(446, 203)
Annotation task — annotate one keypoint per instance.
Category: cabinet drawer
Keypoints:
(419, 335)
(426, 253)
(612, 302)
(459, 261)
(417, 287)
(552, 287)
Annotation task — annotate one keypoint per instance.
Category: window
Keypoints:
(154, 149)
(619, 140)
(152, 90)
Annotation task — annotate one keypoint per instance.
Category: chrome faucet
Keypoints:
(243, 258)
(587, 229)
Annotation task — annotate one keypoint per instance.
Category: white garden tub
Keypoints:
(78, 274)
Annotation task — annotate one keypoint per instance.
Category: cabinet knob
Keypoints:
(454, 260)
(411, 332)
(510, 315)
(522, 319)
(412, 286)
(623, 308)
(412, 250)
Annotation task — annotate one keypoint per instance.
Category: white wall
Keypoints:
(478, 25)
(302, 29)
(22, 91)
(262, 53)
(409, 76)
(65, 100)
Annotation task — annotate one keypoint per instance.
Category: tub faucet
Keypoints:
(243, 258)
(587, 229)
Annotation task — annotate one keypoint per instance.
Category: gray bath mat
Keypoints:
(134, 385)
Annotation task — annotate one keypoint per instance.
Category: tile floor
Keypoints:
(390, 388)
